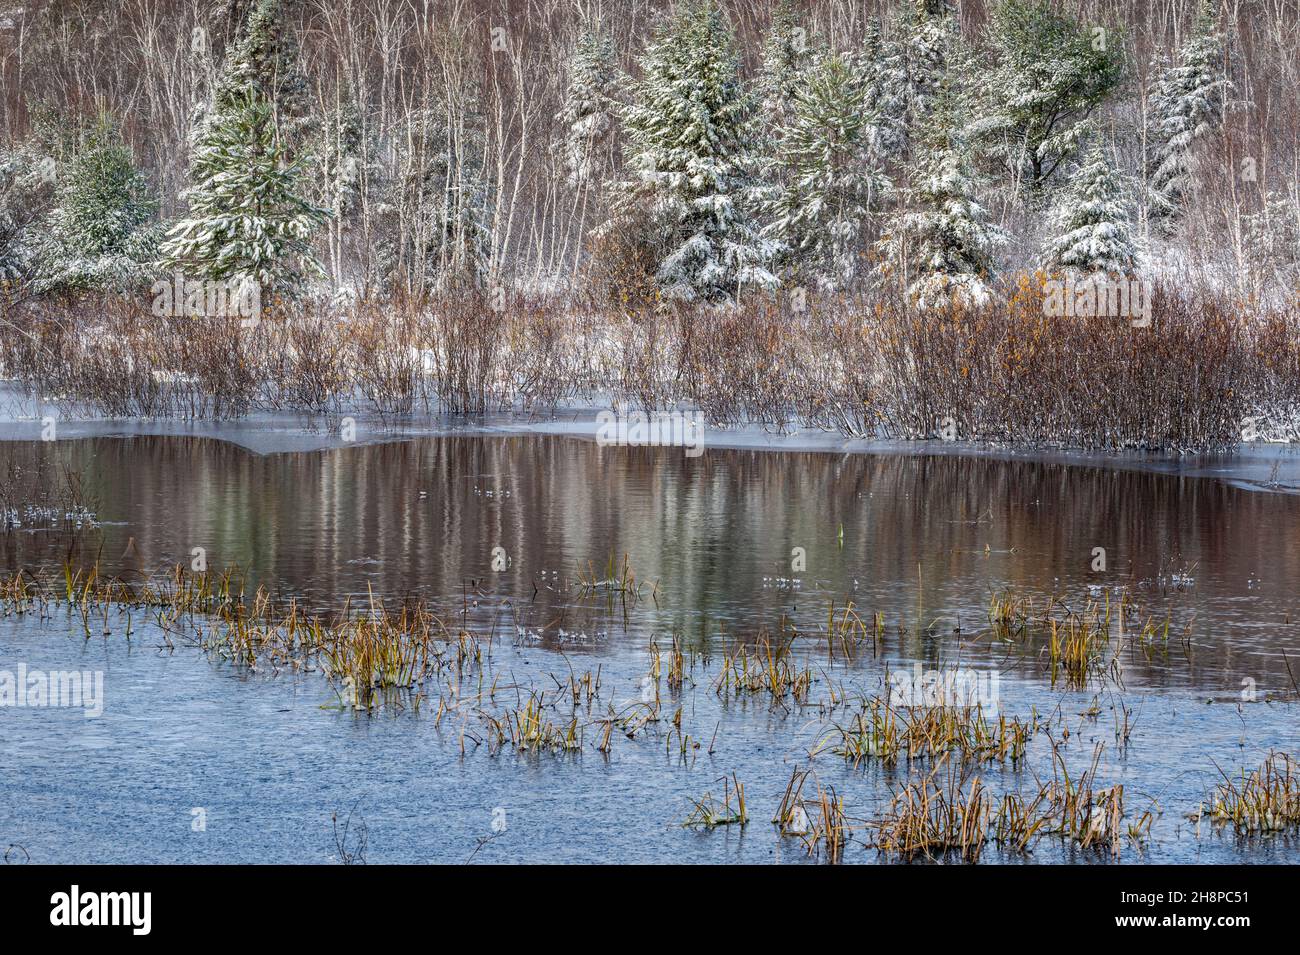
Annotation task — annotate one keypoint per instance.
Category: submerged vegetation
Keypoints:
(1266, 799)
(819, 820)
(710, 813)
(945, 752)
(881, 731)
(1078, 648)
(950, 812)
(45, 495)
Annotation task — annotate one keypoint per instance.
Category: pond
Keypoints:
(514, 538)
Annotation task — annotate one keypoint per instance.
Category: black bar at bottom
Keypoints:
(379, 903)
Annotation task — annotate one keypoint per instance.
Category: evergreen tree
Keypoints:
(939, 242)
(886, 93)
(24, 195)
(785, 56)
(12, 254)
(833, 178)
(248, 220)
(29, 176)
(99, 235)
(264, 60)
(1187, 102)
(913, 66)
(785, 59)
(1047, 77)
(691, 154)
(587, 117)
(1091, 232)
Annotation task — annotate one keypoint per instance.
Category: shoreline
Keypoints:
(1258, 466)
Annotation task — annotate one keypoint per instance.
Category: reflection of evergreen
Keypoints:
(708, 529)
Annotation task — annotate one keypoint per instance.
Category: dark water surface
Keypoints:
(924, 541)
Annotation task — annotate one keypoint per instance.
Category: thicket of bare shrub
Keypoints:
(1013, 373)
(862, 366)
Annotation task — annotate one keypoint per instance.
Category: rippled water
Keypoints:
(922, 540)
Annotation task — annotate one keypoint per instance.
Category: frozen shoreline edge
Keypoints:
(1257, 466)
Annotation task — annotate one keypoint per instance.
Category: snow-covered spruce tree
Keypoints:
(100, 233)
(264, 59)
(939, 243)
(886, 93)
(786, 54)
(1090, 224)
(832, 177)
(1046, 77)
(587, 118)
(13, 255)
(913, 66)
(786, 57)
(691, 155)
(29, 175)
(445, 207)
(1187, 101)
(248, 218)
(26, 186)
